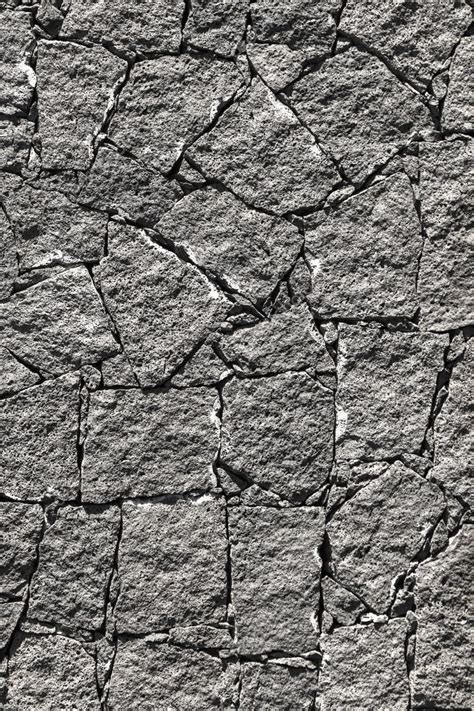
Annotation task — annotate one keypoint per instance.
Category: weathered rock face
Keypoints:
(236, 355)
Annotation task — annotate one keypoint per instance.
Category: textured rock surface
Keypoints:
(235, 353)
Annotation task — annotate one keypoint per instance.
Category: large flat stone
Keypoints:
(163, 307)
(75, 567)
(167, 104)
(73, 81)
(261, 152)
(386, 382)
(145, 444)
(372, 274)
(278, 432)
(172, 565)
(275, 577)
(249, 251)
(39, 455)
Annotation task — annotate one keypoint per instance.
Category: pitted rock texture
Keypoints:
(236, 312)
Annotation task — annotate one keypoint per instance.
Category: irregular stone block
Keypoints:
(15, 376)
(17, 77)
(8, 257)
(204, 368)
(51, 672)
(58, 324)
(415, 38)
(117, 372)
(386, 382)
(288, 341)
(447, 262)
(39, 455)
(145, 444)
(364, 668)
(249, 251)
(300, 24)
(119, 184)
(22, 524)
(168, 102)
(458, 105)
(275, 577)
(261, 152)
(204, 637)
(375, 535)
(15, 144)
(163, 307)
(274, 686)
(452, 432)
(372, 274)
(76, 556)
(359, 111)
(78, 81)
(341, 604)
(216, 26)
(145, 672)
(10, 613)
(150, 26)
(442, 676)
(172, 565)
(278, 432)
(50, 229)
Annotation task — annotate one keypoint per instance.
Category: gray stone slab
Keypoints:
(22, 524)
(274, 686)
(18, 79)
(217, 26)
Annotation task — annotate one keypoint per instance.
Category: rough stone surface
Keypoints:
(172, 565)
(75, 566)
(351, 279)
(236, 355)
(359, 111)
(364, 668)
(163, 307)
(148, 443)
(443, 670)
(278, 432)
(415, 38)
(275, 577)
(247, 250)
(386, 382)
(261, 152)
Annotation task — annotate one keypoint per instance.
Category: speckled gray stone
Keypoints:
(216, 26)
(458, 106)
(18, 79)
(23, 525)
(275, 686)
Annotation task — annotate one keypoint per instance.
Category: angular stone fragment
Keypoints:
(39, 454)
(447, 263)
(386, 382)
(145, 671)
(453, 431)
(8, 257)
(163, 307)
(364, 668)
(17, 77)
(443, 670)
(300, 24)
(75, 567)
(22, 525)
(277, 64)
(415, 37)
(458, 107)
(249, 251)
(15, 375)
(261, 151)
(375, 535)
(147, 26)
(117, 372)
(51, 672)
(204, 368)
(275, 577)
(50, 229)
(58, 324)
(121, 185)
(278, 432)
(216, 26)
(15, 144)
(145, 444)
(167, 104)
(340, 603)
(274, 686)
(172, 565)
(73, 81)
(10, 613)
(359, 111)
(288, 341)
(372, 274)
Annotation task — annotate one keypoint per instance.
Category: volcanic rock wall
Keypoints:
(237, 374)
